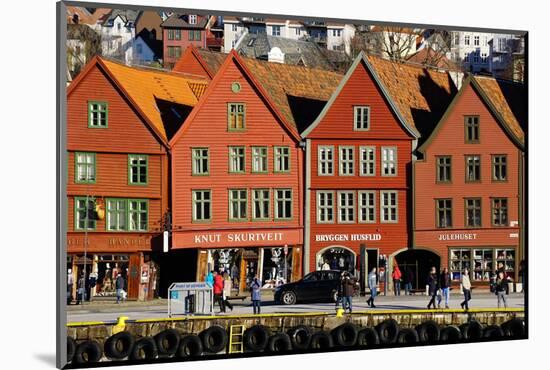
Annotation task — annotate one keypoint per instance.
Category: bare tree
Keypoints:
(394, 43)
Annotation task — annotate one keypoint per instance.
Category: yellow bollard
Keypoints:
(120, 325)
(340, 312)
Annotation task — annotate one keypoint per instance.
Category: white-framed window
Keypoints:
(259, 159)
(283, 204)
(337, 33)
(238, 204)
(200, 161)
(367, 160)
(236, 159)
(389, 161)
(325, 206)
(346, 206)
(367, 206)
(282, 158)
(361, 118)
(298, 31)
(346, 160)
(192, 19)
(117, 214)
(276, 30)
(325, 160)
(260, 204)
(457, 38)
(234, 28)
(466, 39)
(388, 206)
(476, 40)
(202, 205)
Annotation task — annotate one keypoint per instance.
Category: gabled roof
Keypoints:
(129, 17)
(211, 61)
(418, 96)
(178, 20)
(143, 87)
(84, 16)
(505, 99)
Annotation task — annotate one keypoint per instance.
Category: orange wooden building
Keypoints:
(469, 186)
(119, 121)
(359, 160)
(237, 165)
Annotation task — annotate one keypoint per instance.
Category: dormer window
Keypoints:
(192, 19)
(361, 118)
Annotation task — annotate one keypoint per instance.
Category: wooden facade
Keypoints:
(490, 238)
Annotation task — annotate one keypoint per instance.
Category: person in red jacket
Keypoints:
(218, 291)
(396, 276)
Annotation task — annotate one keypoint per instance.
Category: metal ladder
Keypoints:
(236, 334)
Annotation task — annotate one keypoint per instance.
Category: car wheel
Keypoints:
(334, 296)
(288, 297)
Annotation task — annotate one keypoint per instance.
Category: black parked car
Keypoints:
(318, 286)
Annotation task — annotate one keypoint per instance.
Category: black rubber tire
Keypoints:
(214, 339)
(388, 330)
(321, 340)
(514, 328)
(71, 348)
(288, 297)
(367, 338)
(144, 349)
(190, 346)
(345, 335)
(407, 336)
(300, 337)
(472, 330)
(450, 334)
(255, 338)
(428, 332)
(493, 332)
(87, 352)
(119, 345)
(279, 343)
(168, 342)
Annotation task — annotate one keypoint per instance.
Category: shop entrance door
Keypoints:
(249, 269)
(417, 263)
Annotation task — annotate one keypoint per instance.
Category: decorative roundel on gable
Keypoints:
(235, 87)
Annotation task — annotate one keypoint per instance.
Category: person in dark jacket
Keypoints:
(80, 289)
(255, 294)
(373, 285)
(119, 286)
(408, 278)
(348, 286)
(432, 287)
(445, 286)
(218, 291)
(501, 289)
(340, 292)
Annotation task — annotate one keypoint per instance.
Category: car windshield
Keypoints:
(311, 277)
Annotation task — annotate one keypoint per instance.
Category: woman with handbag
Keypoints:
(227, 285)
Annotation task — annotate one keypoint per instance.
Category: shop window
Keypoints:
(499, 211)
(137, 169)
(84, 213)
(444, 210)
(236, 117)
(202, 203)
(325, 206)
(283, 204)
(443, 169)
(389, 161)
(238, 204)
(200, 161)
(460, 259)
(361, 118)
(367, 206)
(346, 206)
(388, 200)
(500, 170)
(483, 264)
(260, 200)
(325, 160)
(346, 160)
(282, 158)
(85, 168)
(276, 267)
(337, 259)
(506, 262)
(236, 159)
(473, 212)
(98, 113)
(473, 168)
(259, 159)
(367, 160)
(108, 268)
(471, 127)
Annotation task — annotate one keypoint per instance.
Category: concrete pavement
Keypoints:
(107, 311)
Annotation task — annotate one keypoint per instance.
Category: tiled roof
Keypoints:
(508, 99)
(180, 21)
(128, 15)
(145, 86)
(428, 55)
(84, 16)
(283, 81)
(421, 95)
(213, 59)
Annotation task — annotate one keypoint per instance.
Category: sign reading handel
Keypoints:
(347, 237)
(215, 239)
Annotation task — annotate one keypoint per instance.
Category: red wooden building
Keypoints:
(469, 186)
(358, 162)
(119, 121)
(237, 165)
(181, 31)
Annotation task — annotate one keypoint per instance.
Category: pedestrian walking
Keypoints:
(432, 287)
(445, 286)
(80, 289)
(372, 283)
(408, 278)
(396, 276)
(218, 290)
(227, 285)
(466, 288)
(70, 283)
(348, 286)
(501, 289)
(119, 287)
(209, 278)
(255, 294)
